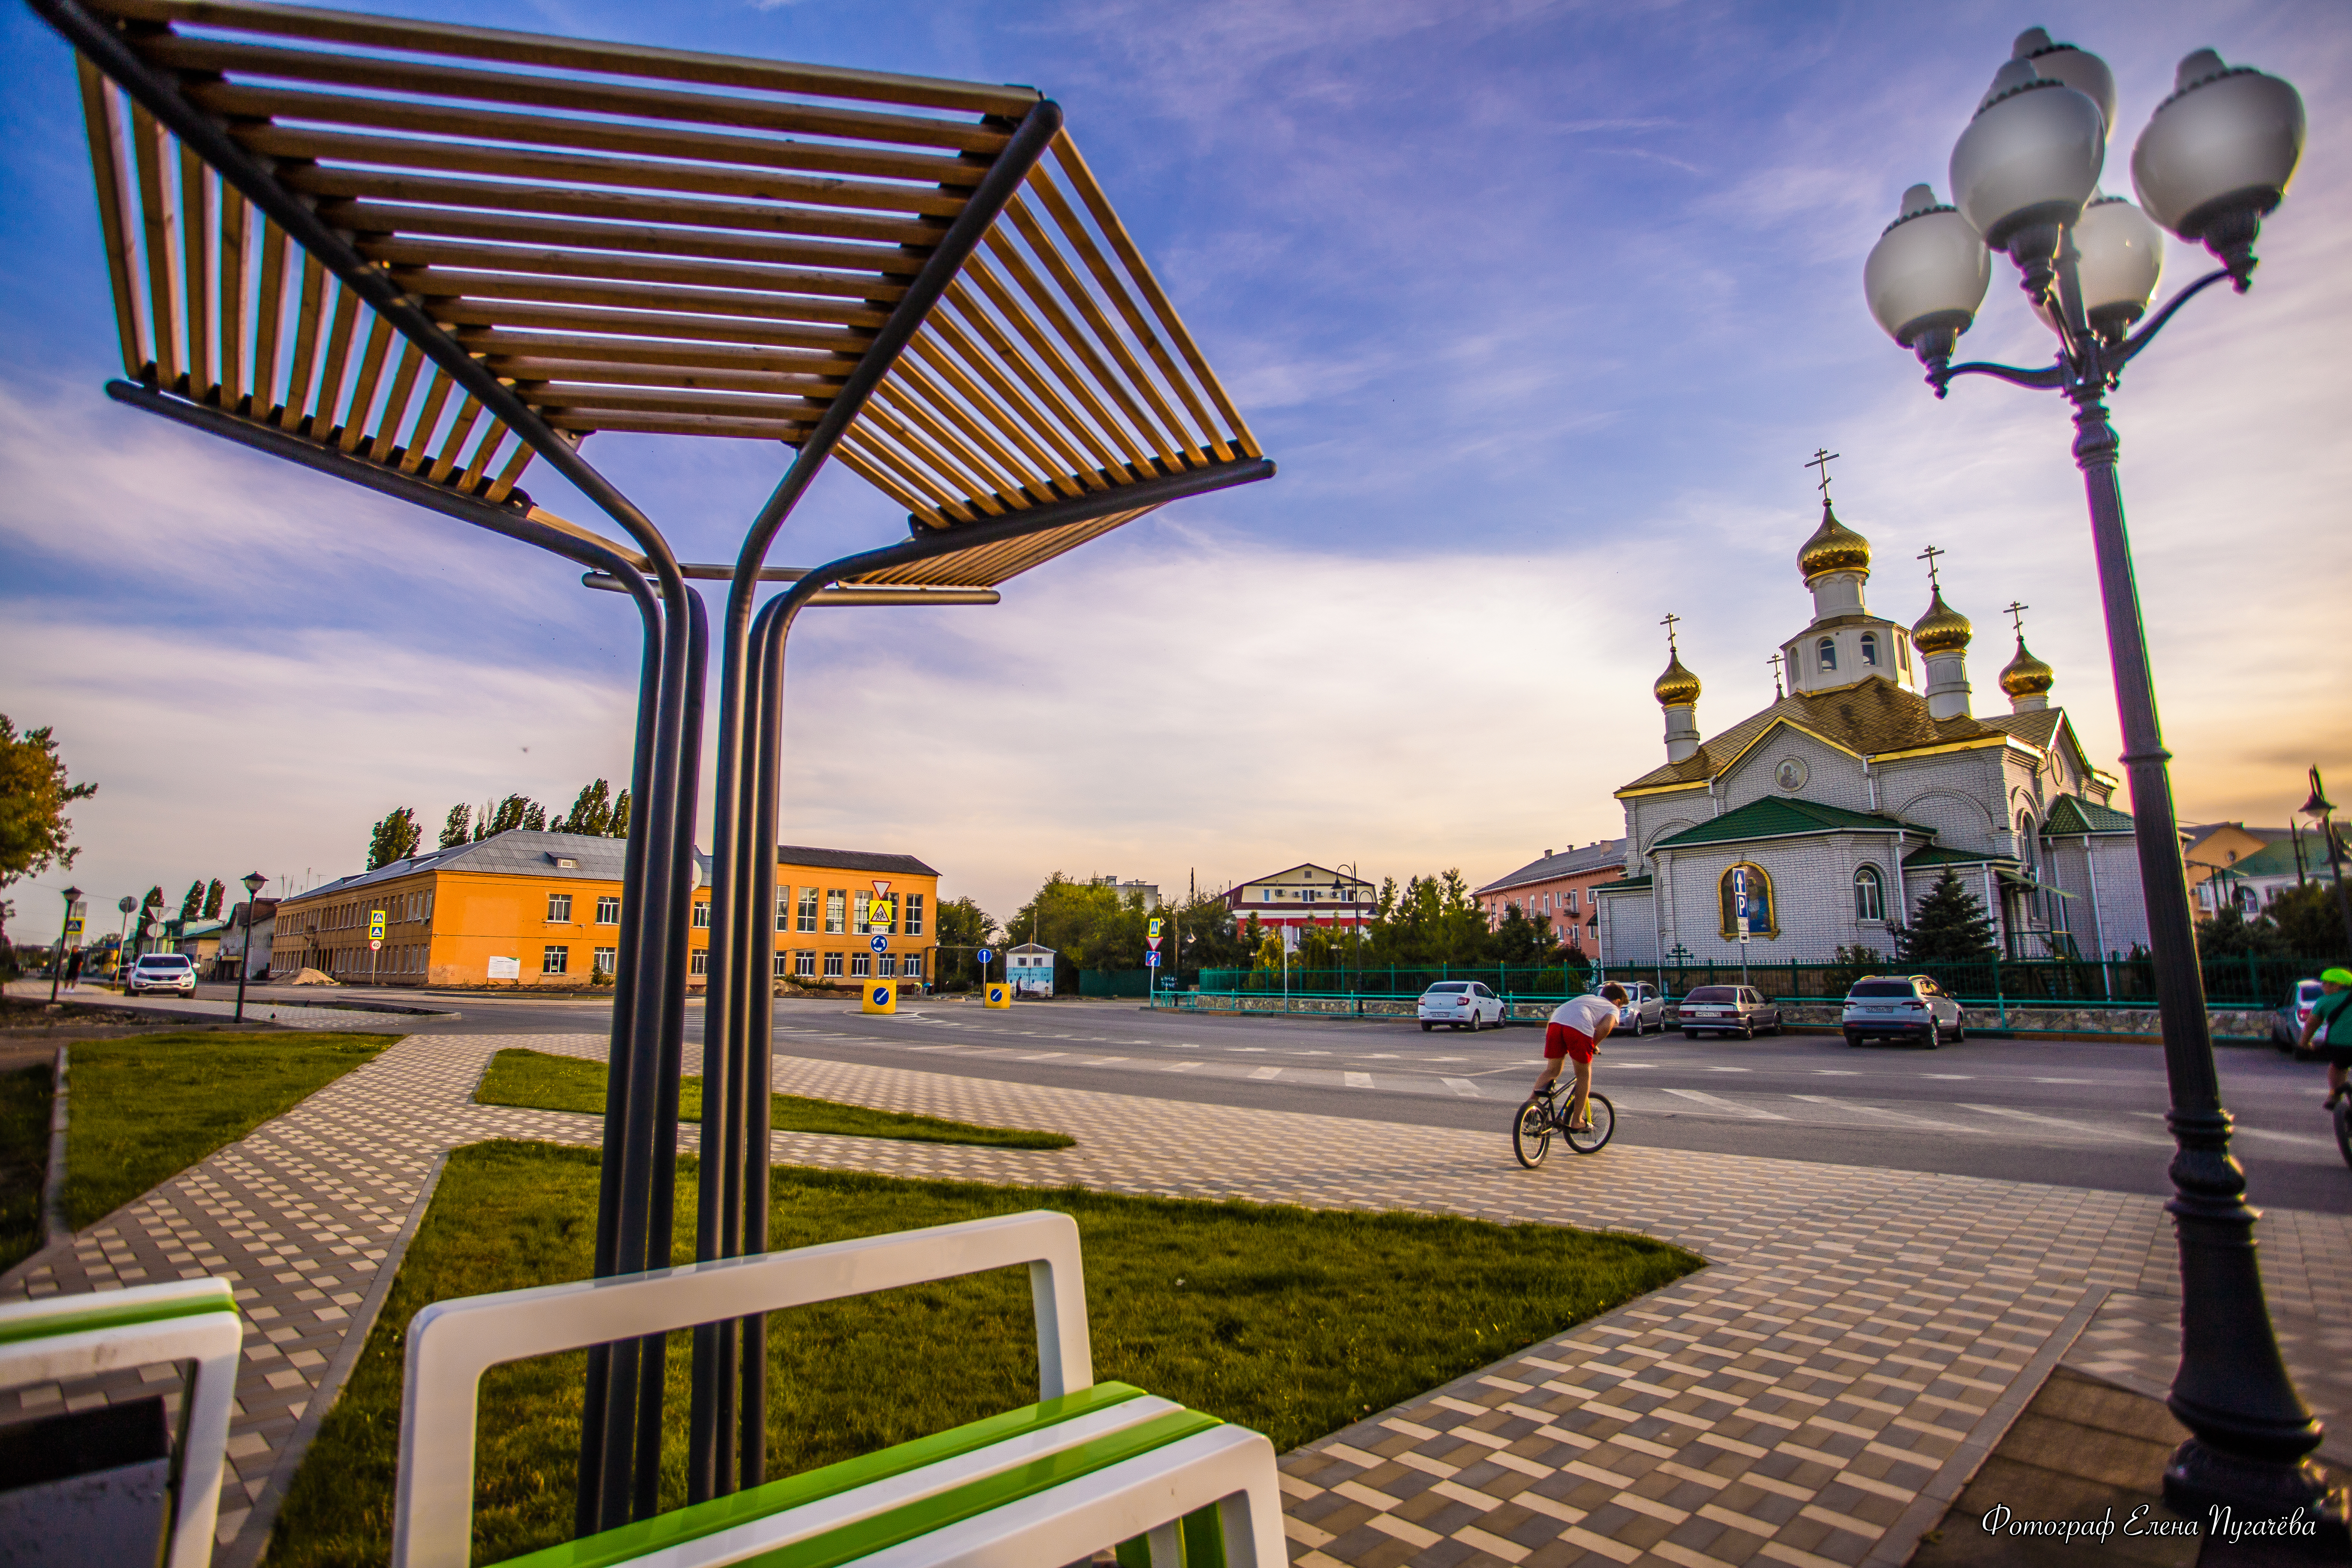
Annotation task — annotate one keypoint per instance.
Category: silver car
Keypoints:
(1463, 1003)
(1644, 1011)
(1902, 1008)
(1728, 1010)
(2286, 1024)
(161, 972)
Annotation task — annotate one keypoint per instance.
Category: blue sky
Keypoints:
(1540, 307)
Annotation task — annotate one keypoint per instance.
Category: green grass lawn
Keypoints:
(23, 1158)
(543, 1082)
(1293, 1322)
(144, 1109)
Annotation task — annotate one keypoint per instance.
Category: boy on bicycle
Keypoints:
(2331, 1025)
(1577, 1028)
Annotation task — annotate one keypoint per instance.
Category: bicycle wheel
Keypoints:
(1531, 1133)
(1604, 1117)
(2344, 1127)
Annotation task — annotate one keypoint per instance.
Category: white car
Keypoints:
(1644, 1011)
(1463, 1004)
(161, 972)
(2286, 1024)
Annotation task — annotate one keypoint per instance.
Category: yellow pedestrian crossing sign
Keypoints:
(376, 925)
(1154, 930)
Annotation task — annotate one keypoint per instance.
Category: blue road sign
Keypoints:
(1151, 961)
(985, 956)
(880, 944)
(882, 996)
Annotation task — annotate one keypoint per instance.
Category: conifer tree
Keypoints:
(454, 829)
(214, 893)
(619, 826)
(193, 899)
(1951, 928)
(535, 817)
(591, 812)
(515, 811)
(395, 836)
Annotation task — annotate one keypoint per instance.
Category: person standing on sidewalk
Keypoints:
(2327, 1033)
(73, 971)
(1577, 1028)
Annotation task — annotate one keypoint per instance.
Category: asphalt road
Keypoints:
(2080, 1114)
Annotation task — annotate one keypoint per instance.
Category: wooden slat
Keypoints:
(208, 56)
(480, 461)
(467, 412)
(816, 365)
(1100, 430)
(195, 272)
(947, 454)
(447, 266)
(420, 436)
(458, 157)
(396, 402)
(1054, 333)
(328, 393)
(782, 430)
(355, 423)
(875, 266)
(929, 349)
(707, 328)
(795, 224)
(233, 220)
(503, 486)
(580, 55)
(306, 342)
(1082, 180)
(1038, 410)
(573, 399)
(889, 484)
(909, 384)
(231, 100)
(268, 318)
(1202, 428)
(163, 311)
(105, 155)
(940, 468)
(685, 377)
(870, 444)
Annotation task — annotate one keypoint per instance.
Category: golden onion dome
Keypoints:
(1942, 629)
(2026, 675)
(1833, 547)
(1677, 688)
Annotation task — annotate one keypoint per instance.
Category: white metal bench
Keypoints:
(1089, 1467)
(61, 1337)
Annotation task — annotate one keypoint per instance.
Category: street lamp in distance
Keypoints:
(2321, 809)
(57, 963)
(254, 882)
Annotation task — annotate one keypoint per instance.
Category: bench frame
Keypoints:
(179, 1320)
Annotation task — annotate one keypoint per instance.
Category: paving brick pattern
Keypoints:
(1861, 1339)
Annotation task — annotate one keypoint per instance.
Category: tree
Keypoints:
(619, 826)
(2309, 923)
(591, 812)
(961, 925)
(394, 838)
(1522, 940)
(213, 894)
(191, 901)
(515, 811)
(453, 830)
(34, 794)
(1951, 927)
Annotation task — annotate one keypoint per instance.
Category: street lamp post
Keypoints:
(125, 904)
(57, 963)
(2216, 158)
(2321, 809)
(254, 883)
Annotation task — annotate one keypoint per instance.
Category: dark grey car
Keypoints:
(1901, 1007)
(1728, 1010)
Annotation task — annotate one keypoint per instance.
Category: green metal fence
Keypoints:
(1131, 982)
(2122, 982)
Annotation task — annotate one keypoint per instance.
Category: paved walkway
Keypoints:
(1818, 1396)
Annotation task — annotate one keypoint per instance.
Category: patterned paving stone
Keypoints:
(1860, 1340)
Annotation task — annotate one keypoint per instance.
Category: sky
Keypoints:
(1540, 309)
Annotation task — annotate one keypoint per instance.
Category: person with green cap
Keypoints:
(2327, 1033)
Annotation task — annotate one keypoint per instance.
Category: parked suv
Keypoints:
(1730, 1010)
(1901, 1007)
(1465, 1004)
(161, 972)
(1644, 1011)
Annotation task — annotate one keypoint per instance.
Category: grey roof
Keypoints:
(1567, 863)
(515, 853)
(851, 860)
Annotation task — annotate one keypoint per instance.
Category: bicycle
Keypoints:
(1539, 1117)
(2343, 1127)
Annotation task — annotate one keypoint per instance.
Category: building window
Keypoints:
(804, 963)
(836, 911)
(1869, 648)
(886, 965)
(699, 962)
(1826, 651)
(554, 959)
(1869, 895)
(911, 966)
(914, 914)
(807, 916)
(861, 963)
(608, 960)
(784, 965)
(1761, 904)
(784, 909)
(702, 915)
(608, 910)
(833, 965)
(559, 908)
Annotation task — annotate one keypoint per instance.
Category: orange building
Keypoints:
(543, 910)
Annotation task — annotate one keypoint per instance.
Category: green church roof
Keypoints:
(1778, 817)
(2073, 815)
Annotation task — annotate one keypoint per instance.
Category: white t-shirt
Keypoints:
(1584, 1014)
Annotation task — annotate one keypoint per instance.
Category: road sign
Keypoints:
(374, 942)
(985, 956)
(1155, 930)
(880, 944)
(881, 887)
(73, 928)
(1151, 959)
(1154, 942)
(878, 913)
(376, 926)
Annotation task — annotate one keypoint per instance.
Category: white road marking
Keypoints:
(1358, 1079)
(2058, 1123)
(1733, 1107)
(1949, 1077)
(1731, 1070)
(1835, 1072)
(1042, 1057)
(1266, 1072)
(1180, 1067)
(1101, 1061)
(1876, 1111)
(1461, 1086)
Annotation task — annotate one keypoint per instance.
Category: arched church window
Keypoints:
(1869, 648)
(1826, 651)
(1763, 909)
(1869, 895)
(2025, 839)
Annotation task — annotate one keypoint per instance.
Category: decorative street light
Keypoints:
(2320, 809)
(2216, 157)
(254, 882)
(64, 929)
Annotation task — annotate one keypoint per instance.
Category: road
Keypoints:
(2080, 1114)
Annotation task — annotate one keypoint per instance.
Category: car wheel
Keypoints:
(1747, 1031)
(1690, 1034)
(1853, 1036)
(1960, 1033)
(1426, 1026)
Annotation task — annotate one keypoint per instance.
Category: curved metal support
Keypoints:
(2047, 379)
(2129, 350)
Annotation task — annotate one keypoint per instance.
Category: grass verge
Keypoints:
(23, 1158)
(1291, 1321)
(142, 1110)
(539, 1081)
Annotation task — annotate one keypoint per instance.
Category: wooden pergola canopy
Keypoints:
(638, 239)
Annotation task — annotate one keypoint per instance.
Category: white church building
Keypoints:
(1848, 797)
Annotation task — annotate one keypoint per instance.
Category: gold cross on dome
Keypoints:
(1821, 458)
(1775, 662)
(1669, 624)
(1928, 556)
(2017, 617)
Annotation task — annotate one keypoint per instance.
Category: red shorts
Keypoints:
(1559, 1040)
